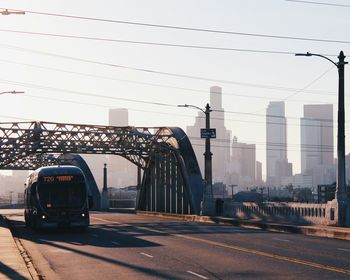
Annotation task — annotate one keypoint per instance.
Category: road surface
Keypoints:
(128, 246)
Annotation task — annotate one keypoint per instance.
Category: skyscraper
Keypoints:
(316, 131)
(220, 147)
(243, 163)
(276, 144)
(121, 172)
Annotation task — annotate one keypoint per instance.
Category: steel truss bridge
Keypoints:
(171, 180)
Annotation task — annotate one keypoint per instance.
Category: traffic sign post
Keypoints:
(207, 133)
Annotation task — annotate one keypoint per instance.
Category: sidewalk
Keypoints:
(320, 231)
(12, 265)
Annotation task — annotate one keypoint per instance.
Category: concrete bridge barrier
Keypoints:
(285, 212)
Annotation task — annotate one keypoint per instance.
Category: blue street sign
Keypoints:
(208, 133)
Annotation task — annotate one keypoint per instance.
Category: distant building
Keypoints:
(242, 166)
(317, 151)
(277, 165)
(302, 181)
(121, 172)
(258, 173)
(316, 131)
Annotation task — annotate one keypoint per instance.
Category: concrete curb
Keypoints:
(15, 264)
(319, 231)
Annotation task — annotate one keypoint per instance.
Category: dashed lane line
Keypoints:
(196, 274)
(245, 250)
(146, 255)
(280, 239)
(343, 249)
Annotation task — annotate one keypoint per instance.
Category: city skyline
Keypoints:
(78, 80)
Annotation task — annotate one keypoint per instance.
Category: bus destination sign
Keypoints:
(58, 178)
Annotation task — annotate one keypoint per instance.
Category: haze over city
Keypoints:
(76, 60)
(178, 139)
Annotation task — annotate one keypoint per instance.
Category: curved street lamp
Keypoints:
(340, 194)
(208, 177)
(6, 12)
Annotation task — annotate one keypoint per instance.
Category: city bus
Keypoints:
(56, 196)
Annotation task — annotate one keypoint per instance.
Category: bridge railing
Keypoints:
(122, 203)
(299, 213)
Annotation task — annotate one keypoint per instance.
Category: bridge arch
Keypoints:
(171, 174)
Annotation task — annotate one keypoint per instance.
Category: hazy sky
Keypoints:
(60, 87)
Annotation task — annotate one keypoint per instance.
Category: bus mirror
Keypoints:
(91, 201)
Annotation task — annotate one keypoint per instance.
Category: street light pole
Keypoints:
(208, 154)
(340, 194)
(208, 177)
(341, 189)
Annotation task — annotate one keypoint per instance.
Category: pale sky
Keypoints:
(61, 87)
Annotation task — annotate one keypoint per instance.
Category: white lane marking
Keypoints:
(94, 235)
(343, 249)
(59, 251)
(147, 255)
(280, 239)
(115, 243)
(196, 274)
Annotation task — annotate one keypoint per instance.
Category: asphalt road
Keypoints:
(128, 246)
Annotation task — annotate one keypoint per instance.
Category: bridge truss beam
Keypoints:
(161, 151)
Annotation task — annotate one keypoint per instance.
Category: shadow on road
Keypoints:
(76, 242)
(9, 272)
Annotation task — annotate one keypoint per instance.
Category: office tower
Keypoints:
(276, 143)
(258, 173)
(316, 130)
(121, 172)
(118, 117)
(243, 163)
(220, 147)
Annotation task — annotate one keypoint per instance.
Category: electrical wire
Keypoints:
(152, 71)
(197, 91)
(163, 104)
(147, 43)
(185, 28)
(319, 3)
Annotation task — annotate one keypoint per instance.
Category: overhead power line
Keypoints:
(81, 93)
(320, 3)
(146, 43)
(152, 71)
(197, 91)
(186, 28)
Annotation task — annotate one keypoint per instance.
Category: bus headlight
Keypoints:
(43, 216)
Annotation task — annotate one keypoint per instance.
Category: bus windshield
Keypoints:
(62, 195)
